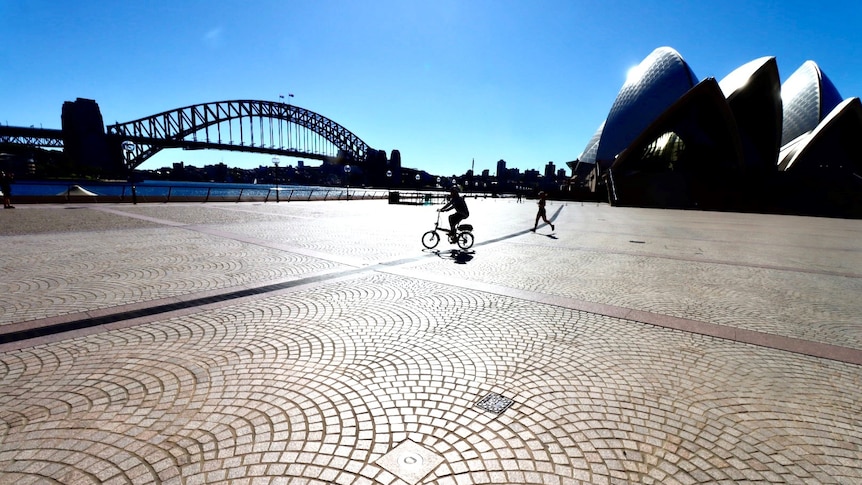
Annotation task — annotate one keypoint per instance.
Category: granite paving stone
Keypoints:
(362, 348)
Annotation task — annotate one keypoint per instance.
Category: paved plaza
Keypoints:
(320, 343)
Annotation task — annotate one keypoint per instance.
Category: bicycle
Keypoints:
(463, 235)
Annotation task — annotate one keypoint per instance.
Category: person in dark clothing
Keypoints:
(457, 203)
(6, 188)
(541, 214)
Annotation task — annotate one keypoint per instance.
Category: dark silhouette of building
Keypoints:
(85, 142)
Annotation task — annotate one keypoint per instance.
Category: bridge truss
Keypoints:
(38, 137)
(240, 125)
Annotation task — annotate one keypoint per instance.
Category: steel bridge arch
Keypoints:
(170, 129)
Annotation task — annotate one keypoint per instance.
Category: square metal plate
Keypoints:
(494, 403)
(410, 461)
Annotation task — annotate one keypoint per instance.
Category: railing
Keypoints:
(417, 198)
(321, 194)
(149, 193)
(429, 198)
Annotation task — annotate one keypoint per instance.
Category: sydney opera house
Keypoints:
(745, 143)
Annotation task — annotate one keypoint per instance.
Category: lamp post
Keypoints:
(389, 179)
(128, 148)
(347, 179)
(275, 162)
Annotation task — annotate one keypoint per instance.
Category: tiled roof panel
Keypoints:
(656, 83)
(808, 96)
(741, 76)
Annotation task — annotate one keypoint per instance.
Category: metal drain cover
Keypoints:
(494, 403)
(410, 461)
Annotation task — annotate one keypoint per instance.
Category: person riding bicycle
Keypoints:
(461, 212)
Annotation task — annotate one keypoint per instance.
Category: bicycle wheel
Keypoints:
(430, 239)
(465, 240)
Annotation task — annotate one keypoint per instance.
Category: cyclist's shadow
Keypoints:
(458, 256)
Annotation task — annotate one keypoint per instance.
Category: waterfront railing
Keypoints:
(35, 192)
(165, 193)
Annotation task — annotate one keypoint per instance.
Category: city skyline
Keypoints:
(444, 83)
(550, 173)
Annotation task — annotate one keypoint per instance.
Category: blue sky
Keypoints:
(445, 82)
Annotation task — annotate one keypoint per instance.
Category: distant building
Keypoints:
(583, 175)
(745, 143)
(531, 175)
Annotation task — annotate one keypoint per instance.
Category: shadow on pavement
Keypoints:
(459, 256)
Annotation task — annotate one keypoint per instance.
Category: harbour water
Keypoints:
(168, 189)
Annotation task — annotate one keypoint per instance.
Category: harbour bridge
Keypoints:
(267, 127)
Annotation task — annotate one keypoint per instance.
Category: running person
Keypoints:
(541, 214)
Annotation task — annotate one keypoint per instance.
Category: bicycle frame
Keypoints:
(463, 236)
(437, 224)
